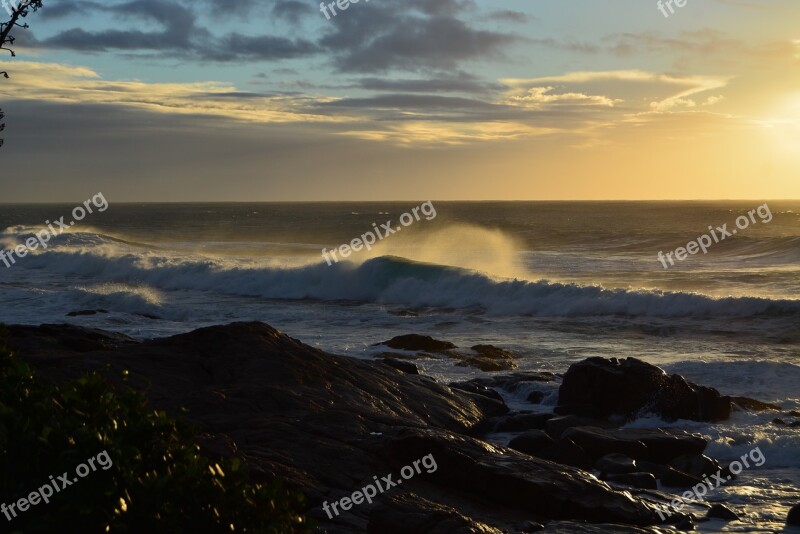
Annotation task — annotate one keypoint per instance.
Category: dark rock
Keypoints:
(495, 353)
(680, 520)
(487, 358)
(568, 452)
(487, 365)
(149, 316)
(328, 424)
(535, 397)
(50, 343)
(664, 445)
(533, 442)
(514, 479)
(657, 470)
(599, 387)
(686, 524)
(416, 342)
(82, 313)
(522, 422)
(697, 465)
(615, 463)
(640, 444)
(598, 442)
(557, 425)
(404, 514)
(720, 511)
(290, 411)
(635, 480)
(781, 422)
(753, 405)
(406, 367)
(794, 413)
(511, 382)
(677, 479)
(793, 519)
(572, 527)
(530, 526)
(404, 355)
(478, 389)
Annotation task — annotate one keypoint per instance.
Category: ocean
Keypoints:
(555, 282)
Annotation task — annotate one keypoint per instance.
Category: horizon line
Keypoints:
(402, 200)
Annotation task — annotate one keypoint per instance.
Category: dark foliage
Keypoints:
(158, 482)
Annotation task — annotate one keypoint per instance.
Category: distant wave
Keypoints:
(387, 280)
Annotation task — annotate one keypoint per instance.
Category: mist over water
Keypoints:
(536, 259)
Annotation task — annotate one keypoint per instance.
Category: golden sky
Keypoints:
(426, 99)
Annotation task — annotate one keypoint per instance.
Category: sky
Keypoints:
(270, 100)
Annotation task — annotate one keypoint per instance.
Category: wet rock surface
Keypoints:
(328, 425)
(602, 387)
(416, 342)
(793, 518)
(720, 511)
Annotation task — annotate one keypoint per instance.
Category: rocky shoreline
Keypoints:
(329, 424)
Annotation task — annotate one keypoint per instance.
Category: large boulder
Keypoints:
(416, 342)
(601, 387)
(698, 465)
(533, 442)
(616, 463)
(793, 519)
(509, 478)
(656, 444)
(520, 422)
(328, 425)
(720, 511)
(487, 358)
(753, 405)
(512, 382)
(558, 425)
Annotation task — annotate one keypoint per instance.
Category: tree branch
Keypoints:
(23, 7)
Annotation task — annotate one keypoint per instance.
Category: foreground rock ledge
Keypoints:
(327, 424)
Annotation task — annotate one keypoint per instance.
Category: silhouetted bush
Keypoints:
(158, 482)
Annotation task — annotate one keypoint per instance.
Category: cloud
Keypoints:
(412, 36)
(507, 15)
(80, 85)
(575, 104)
(291, 10)
(416, 35)
(460, 82)
(179, 36)
(537, 97)
(658, 91)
